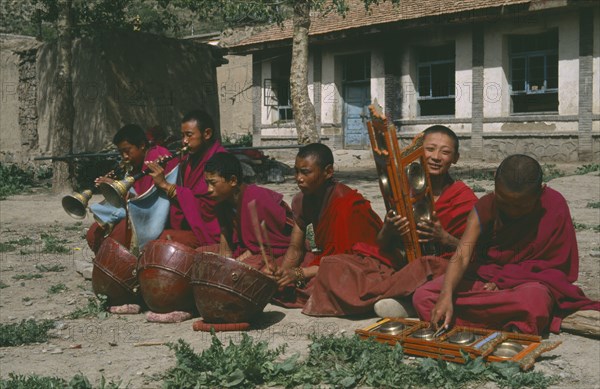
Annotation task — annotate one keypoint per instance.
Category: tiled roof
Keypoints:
(386, 12)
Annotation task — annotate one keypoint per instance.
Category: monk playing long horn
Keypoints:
(192, 218)
(134, 149)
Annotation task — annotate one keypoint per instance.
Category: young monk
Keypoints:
(192, 219)
(515, 264)
(339, 216)
(377, 277)
(134, 149)
(237, 204)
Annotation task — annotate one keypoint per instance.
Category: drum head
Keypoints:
(228, 291)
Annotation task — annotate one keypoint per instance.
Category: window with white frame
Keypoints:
(534, 72)
(277, 90)
(277, 96)
(435, 80)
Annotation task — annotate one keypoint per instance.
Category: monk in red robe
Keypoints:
(192, 220)
(377, 276)
(516, 262)
(339, 217)
(237, 204)
(134, 149)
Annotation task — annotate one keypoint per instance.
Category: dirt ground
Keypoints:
(109, 347)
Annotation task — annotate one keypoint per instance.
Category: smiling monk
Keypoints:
(377, 277)
(515, 264)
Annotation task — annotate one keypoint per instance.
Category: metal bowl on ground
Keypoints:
(390, 328)
(423, 334)
(461, 337)
(507, 349)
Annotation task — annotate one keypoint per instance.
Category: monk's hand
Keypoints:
(103, 179)
(491, 286)
(395, 224)
(442, 311)
(285, 277)
(431, 230)
(244, 255)
(158, 174)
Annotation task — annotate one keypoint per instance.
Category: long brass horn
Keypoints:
(76, 204)
(116, 192)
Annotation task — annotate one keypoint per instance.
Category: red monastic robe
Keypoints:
(239, 230)
(192, 219)
(533, 261)
(350, 284)
(340, 218)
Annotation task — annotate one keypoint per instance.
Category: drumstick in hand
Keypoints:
(273, 265)
(255, 224)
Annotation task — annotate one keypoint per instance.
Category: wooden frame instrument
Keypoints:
(403, 179)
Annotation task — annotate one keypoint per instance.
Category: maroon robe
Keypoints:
(351, 284)
(237, 227)
(192, 219)
(340, 218)
(533, 261)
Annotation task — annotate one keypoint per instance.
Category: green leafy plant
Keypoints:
(551, 172)
(3, 285)
(14, 180)
(6, 247)
(28, 331)
(96, 307)
(478, 188)
(22, 242)
(11, 245)
(333, 362)
(244, 140)
(49, 269)
(34, 381)
(54, 289)
(585, 169)
(595, 204)
(28, 276)
(54, 245)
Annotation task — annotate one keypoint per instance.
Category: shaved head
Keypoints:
(520, 173)
(320, 152)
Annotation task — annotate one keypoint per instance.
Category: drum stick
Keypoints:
(255, 224)
(263, 225)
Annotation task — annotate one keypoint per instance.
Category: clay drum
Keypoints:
(114, 273)
(164, 275)
(229, 291)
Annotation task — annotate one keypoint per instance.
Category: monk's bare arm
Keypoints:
(224, 248)
(443, 309)
(295, 252)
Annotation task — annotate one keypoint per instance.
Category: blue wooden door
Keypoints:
(357, 97)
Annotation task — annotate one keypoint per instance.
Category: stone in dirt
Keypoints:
(84, 268)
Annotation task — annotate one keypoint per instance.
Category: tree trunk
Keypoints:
(304, 110)
(62, 117)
